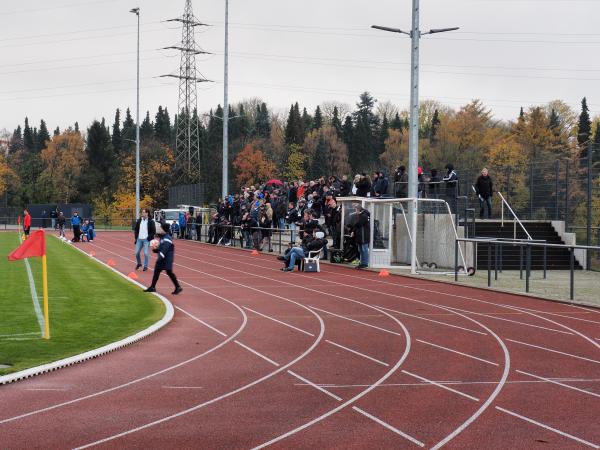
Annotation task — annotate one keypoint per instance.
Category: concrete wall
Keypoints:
(570, 239)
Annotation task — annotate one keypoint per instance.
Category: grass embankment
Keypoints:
(90, 306)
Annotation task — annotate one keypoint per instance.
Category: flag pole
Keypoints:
(45, 289)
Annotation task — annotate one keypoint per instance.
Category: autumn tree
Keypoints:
(64, 162)
(252, 167)
(396, 150)
(295, 166)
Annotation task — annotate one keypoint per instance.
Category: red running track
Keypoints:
(256, 357)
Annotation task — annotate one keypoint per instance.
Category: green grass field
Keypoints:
(90, 306)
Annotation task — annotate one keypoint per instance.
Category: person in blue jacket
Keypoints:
(166, 253)
(76, 224)
(182, 224)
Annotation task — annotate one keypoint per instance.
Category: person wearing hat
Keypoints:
(309, 244)
(166, 253)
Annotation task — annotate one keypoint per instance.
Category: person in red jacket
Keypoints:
(26, 222)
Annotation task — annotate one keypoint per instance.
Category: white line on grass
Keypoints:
(562, 433)
(34, 296)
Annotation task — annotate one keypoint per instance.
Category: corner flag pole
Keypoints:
(45, 289)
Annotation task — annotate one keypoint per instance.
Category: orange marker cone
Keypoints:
(92, 253)
(254, 253)
(133, 275)
(111, 263)
(384, 273)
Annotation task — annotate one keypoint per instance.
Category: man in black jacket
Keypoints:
(145, 229)
(164, 261)
(361, 231)
(484, 189)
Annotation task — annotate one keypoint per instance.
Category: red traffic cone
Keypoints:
(133, 275)
(254, 253)
(384, 273)
(111, 263)
(92, 253)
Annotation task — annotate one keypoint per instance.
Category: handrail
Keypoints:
(504, 202)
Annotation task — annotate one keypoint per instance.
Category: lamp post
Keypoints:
(413, 145)
(225, 181)
(136, 11)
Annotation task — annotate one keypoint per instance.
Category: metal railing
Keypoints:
(515, 219)
(526, 246)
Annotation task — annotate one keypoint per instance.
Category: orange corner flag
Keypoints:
(34, 246)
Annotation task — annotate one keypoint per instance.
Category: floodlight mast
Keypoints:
(136, 11)
(413, 147)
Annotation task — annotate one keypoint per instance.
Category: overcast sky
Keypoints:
(67, 60)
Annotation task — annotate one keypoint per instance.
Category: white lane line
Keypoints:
(559, 383)
(269, 360)
(182, 387)
(388, 426)
(358, 353)
(465, 383)
(146, 377)
(316, 386)
(500, 384)
(278, 321)
(561, 315)
(554, 351)
(470, 397)
(34, 296)
(207, 325)
(46, 389)
(457, 352)
(433, 321)
(510, 320)
(534, 422)
(355, 321)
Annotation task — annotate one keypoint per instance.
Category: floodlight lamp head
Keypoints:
(135, 11)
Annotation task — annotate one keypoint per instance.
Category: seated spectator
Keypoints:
(309, 244)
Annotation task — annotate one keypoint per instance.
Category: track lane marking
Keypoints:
(465, 424)
(388, 426)
(418, 377)
(278, 321)
(456, 351)
(554, 351)
(269, 360)
(201, 321)
(547, 427)
(316, 386)
(354, 320)
(510, 320)
(434, 321)
(358, 353)
(549, 380)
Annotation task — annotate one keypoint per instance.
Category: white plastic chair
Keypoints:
(313, 257)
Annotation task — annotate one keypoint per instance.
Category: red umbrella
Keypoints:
(273, 182)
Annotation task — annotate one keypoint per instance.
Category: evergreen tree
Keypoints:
(16, 142)
(585, 125)
(43, 136)
(294, 129)
(553, 121)
(127, 134)
(263, 123)
(384, 133)
(28, 137)
(321, 161)
(307, 123)
(35, 139)
(101, 174)
(435, 124)
(211, 163)
(56, 132)
(336, 123)
(318, 120)
(76, 127)
(117, 138)
(162, 126)
(362, 153)
(521, 113)
(397, 123)
(348, 131)
(146, 128)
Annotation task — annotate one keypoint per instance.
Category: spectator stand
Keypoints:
(390, 238)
